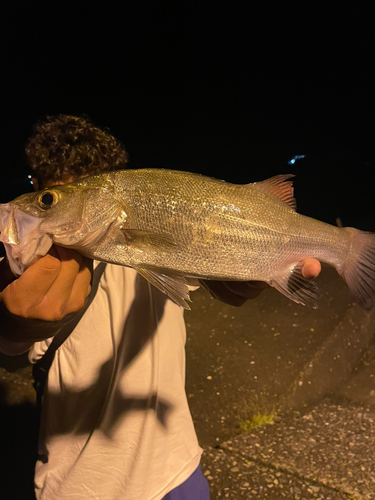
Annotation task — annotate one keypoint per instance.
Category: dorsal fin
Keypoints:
(279, 186)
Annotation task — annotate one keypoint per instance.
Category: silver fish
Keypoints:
(172, 226)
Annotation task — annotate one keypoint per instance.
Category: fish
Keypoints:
(175, 227)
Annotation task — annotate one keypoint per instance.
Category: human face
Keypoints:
(52, 182)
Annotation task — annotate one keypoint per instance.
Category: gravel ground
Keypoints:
(327, 452)
(231, 474)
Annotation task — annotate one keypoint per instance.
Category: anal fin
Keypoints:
(297, 288)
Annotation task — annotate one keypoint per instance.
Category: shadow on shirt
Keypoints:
(140, 326)
(18, 435)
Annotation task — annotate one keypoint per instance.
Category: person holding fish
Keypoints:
(115, 421)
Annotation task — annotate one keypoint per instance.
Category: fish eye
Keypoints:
(47, 199)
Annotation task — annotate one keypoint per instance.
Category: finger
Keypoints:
(61, 289)
(81, 288)
(30, 288)
(311, 268)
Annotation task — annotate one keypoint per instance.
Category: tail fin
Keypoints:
(359, 268)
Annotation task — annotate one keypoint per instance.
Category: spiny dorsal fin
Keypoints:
(281, 187)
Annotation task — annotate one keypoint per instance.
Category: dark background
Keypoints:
(229, 89)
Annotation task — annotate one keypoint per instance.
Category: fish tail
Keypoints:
(358, 269)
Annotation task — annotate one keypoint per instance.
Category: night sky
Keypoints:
(221, 88)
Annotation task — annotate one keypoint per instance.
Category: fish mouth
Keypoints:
(23, 241)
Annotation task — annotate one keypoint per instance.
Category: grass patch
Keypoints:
(257, 420)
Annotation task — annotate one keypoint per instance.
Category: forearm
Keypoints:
(13, 348)
(9, 347)
(18, 334)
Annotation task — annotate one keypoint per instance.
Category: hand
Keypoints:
(236, 293)
(55, 286)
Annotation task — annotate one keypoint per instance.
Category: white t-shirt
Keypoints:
(115, 420)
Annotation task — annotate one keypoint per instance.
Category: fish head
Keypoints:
(73, 215)
(20, 234)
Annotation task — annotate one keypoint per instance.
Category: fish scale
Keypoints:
(171, 226)
(245, 248)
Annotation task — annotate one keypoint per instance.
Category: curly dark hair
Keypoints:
(65, 146)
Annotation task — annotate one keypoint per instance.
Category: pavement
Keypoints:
(282, 396)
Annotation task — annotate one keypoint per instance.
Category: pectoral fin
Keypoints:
(294, 286)
(173, 285)
(141, 238)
